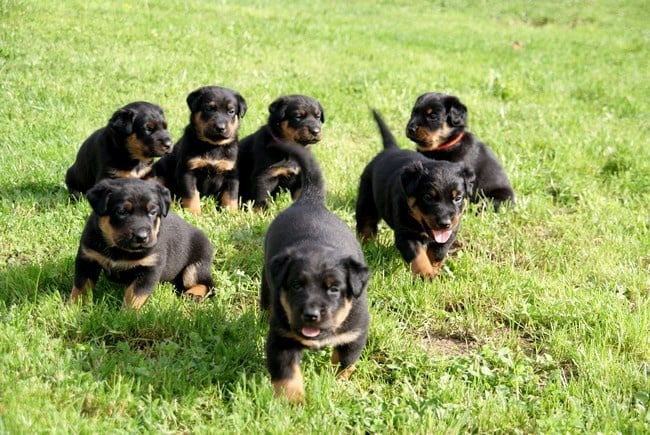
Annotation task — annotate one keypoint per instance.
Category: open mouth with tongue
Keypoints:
(441, 236)
(310, 331)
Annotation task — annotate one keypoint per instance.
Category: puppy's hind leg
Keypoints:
(197, 281)
(367, 216)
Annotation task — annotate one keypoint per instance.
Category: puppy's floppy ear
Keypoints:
(278, 268)
(122, 121)
(456, 112)
(358, 275)
(193, 99)
(98, 197)
(410, 176)
(243, 106)
(277, 110)
(164, 198)
(469, 176)
(322, 113)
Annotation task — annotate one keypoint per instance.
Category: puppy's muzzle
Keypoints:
(139, 238)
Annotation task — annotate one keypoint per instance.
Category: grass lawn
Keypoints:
(540, 323)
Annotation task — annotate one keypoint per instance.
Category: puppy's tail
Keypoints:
(313, 183)
(386, 136)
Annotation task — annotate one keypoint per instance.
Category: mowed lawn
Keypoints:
(540, 323)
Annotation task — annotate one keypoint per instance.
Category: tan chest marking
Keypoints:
(222, 165)
(117, 265)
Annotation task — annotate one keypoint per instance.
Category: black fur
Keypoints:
(137, 241)
(265, 170)
(313, 283)
(421, 199)
(203, 162)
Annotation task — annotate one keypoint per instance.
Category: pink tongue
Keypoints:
(308, 331)
(442, 236)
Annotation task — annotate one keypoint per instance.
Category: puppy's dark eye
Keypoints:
(231, 112)
(122, 213)
(153, 212)
(457, 199)
(427, 197)
(299, 116)
(333, 290)
(295, 286)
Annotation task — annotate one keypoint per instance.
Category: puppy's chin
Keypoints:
(133, 246)
(214, 138)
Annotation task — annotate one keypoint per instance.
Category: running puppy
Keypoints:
(421, 199)
(131, 236)
(313, 283)
(203, 161)
(437, 126)
(266, 170)
(125, 148)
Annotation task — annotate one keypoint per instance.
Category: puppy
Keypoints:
(203, 161)
(421, 199)
(313, 283)
(131, 236)
(125, 148)
(265, 170)
(437, 126)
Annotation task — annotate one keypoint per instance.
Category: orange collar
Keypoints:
(451, 143)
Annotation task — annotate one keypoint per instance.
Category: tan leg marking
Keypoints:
(193, 203)
(131, 300)
(435, 265)
(229, 203)
(366, 234)
(422, 266)
(199, 291)
(292, 388)
(80, 294)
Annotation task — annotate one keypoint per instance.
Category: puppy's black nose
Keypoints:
(167, 144)
(141, 235)
(411, 128)
(311, 314)
(314, 130)
(444, 223)
(220, 127)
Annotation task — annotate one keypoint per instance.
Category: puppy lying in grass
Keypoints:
(135, 240)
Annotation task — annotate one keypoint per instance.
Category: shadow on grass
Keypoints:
(174, 347)
(43, 195)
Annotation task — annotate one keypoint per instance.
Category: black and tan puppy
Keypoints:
(203, 162)
(131, 236)
(313, 283)
(438, 128)
(421, 199)
(125, 148)
(265, 170)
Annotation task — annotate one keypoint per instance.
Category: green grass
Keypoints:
(539, 324)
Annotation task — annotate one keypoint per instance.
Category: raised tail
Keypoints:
(386, 136)
(313, 183)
